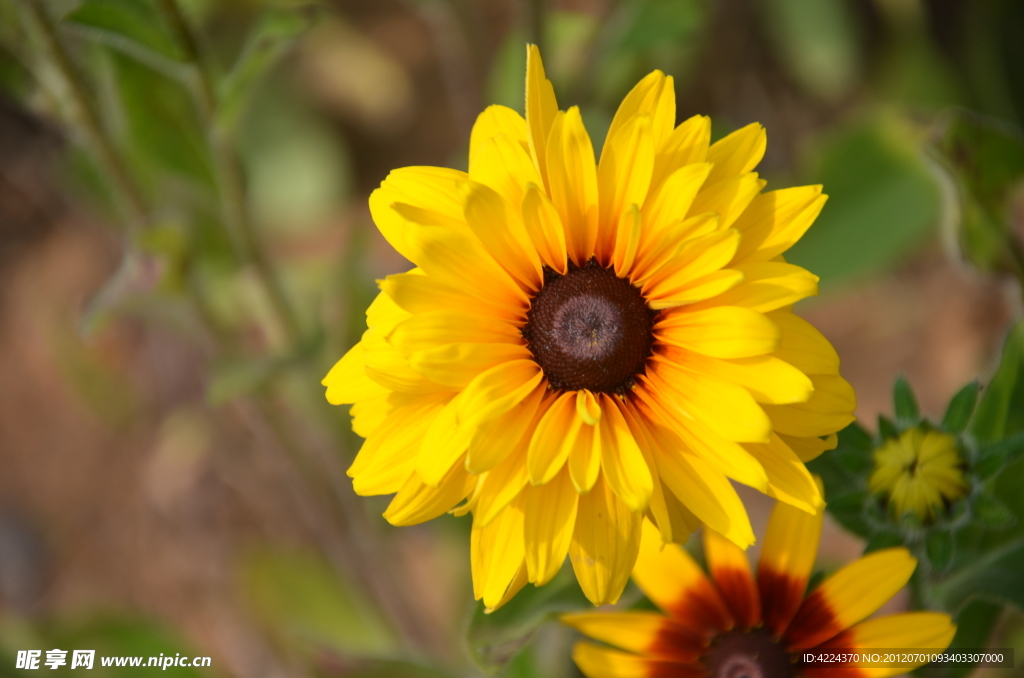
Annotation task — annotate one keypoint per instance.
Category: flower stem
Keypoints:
(86, 119)
(230, 175)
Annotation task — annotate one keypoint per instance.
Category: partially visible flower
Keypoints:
(585, 341)
(735, 625)
(920, 472)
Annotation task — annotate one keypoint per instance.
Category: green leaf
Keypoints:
(882, 201)
(163, 132)
(887, 429)
(904, 403)
(991, 458)
(817, 41)
(271, 38)
(986, 160)
(133, 27)
(495, 639)
(961, 408)
(883, 540)
(993, 513)
(993, 576)
(939, 547)
(974, 624)
(1000, 412)
(302, 600)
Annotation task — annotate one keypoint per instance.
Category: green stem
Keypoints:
(230, 176)
(85, 117)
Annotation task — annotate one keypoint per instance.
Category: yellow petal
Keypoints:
(646, 98)
(368, 415)
(600, 662)
(492, 219)
(587, 407)
(496, 553)
(699, 289)
(727, 409)
(673, 581)
(418, 293)
(803, 346)
(623, 176)
(639, 632)
(694, 259)
(671, 202)
(687, 144)
(497, 390)
(604, 544)
(497, 121)
(719, 332)
(625, 469)
(550, 516)
(585, 458)
(787, 557)
(459, 260)
(500, 486)
(444, 443)
(504, 165)
(730, 569)
(788, 478)
(418, 502)
(729, 197)
(495, 440)
(456, 365)
(541, 108)
(627, 241)
(440, 328)
(738, 152)
(850, 595)
(347, 381)
(572, 183)
(430, 190)
(926, 631)
(829, 409)
(768, 286)
(769, 379)
(553, 439)
(774, 221)
(544, 227)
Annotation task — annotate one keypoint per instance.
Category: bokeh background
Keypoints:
(171, 479)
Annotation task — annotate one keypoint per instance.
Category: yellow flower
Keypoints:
(919, 472)
(734, 625)
(584, 343)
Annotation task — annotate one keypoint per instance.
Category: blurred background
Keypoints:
(185, 249)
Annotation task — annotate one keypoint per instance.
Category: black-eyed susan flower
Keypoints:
(583, 342)
(920, 472)
(734, 624)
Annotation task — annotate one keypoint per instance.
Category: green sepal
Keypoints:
(904, 403)
(939, 547)
(993, 457)
(961, 408)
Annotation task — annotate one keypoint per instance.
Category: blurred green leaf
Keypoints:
(961, 408)
(986, 160)
(304, 601)
(883, 540)
(233, 378)
(992, 457)
(842, 470)
(663, 22)
(163, 131)
(818, 41)
(133, 27)
(1000, 412)
(882, 201)
(272, 36)
(904, 403)
(495, 639)
(993, 576)
(974, 625)
(993, 513)
(887, 430)
(939, 547)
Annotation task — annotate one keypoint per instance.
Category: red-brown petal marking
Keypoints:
(781, 595)
(815, 622)
(702, 611)
(737, 587)
(677, 643)
(842, 641)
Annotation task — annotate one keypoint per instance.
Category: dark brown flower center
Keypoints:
(748, 654)
(589, 329)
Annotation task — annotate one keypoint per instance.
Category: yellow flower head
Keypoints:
(919, 472)
(583, 343)
(734, 624)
